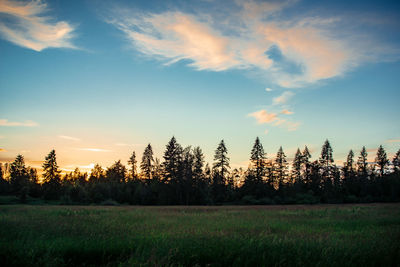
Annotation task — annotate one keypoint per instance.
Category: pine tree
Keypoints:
(132, 161)
(362, 163)
(172, 161)
(221, 162)
(280, 168)
(381, 160)
(198, 163)
(19, 176)
(306, 165)
(147, 162)
(257, 159)
(396, 162)
(296, 167)
(326, 161)
(348, 166)
(51, 173)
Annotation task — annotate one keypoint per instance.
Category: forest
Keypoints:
(183, 178)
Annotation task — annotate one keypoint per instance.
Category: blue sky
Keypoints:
(98, 79)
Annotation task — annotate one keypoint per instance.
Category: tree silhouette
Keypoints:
(280, 168)
(296, 166)
(381, 160)
(147, 162)
(257, 160)
(221, 162)
(396, 162)
(132, 161)
(51, 173)
(19, 177)
(362, 163)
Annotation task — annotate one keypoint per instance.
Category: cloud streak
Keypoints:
(69, 138)
(264, 117)
(28, 123)
(292, 51)
(93, 149)
(25, 24)
(283, 98)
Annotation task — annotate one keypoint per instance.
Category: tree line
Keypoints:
(183, 178)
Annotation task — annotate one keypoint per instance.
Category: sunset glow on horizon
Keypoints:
(97, 80)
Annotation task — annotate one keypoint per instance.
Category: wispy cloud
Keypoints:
(292, 51)
(286, 112)
(393, 141)
(28, 123)
(26, 24)
(128, 145)
(93, 149)
(268, 89)
(265, 117)
(3, 150)
(283, 98)
(69, 138)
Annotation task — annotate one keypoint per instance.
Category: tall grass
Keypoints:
(349, 235)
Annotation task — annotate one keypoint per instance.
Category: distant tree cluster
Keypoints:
(183, 178)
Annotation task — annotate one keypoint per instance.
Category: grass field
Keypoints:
(325, 235)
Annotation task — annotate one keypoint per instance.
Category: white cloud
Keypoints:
(283, 98)
(27, 25)
(311, 48)
(69, 138)
(94, 149)
(268, 89)
(28, 123)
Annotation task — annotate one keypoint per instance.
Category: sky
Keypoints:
(96, 80)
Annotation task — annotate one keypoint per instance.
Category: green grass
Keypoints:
(326, 235)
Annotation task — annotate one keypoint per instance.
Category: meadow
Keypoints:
(295, 235)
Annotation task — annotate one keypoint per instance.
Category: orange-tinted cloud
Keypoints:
(242, 40)
(3, 150)
(30, 28)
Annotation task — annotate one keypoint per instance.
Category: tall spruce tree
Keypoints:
(362, 163)
(172, 161)
(147, 163)
(396, 162)
(349, 165)
(221, 162)
(326, 161)
(280, 168)
(257, 160)
(19, 176)
(381, 160)
(132, 161)
(198, 163)
(296, 167)
(51, 173)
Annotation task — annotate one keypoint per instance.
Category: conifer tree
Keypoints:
(296, 167)
(51, 173)
(172, 161)
(132, 161)
(116, 172)
(326, 161)
(221, 162)
(280, 167)
(19, 176)
(348, 166)
(396, 162)
(257, 160)
(381, 160)
(362, 163)
(147, 163)
(198, 163)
